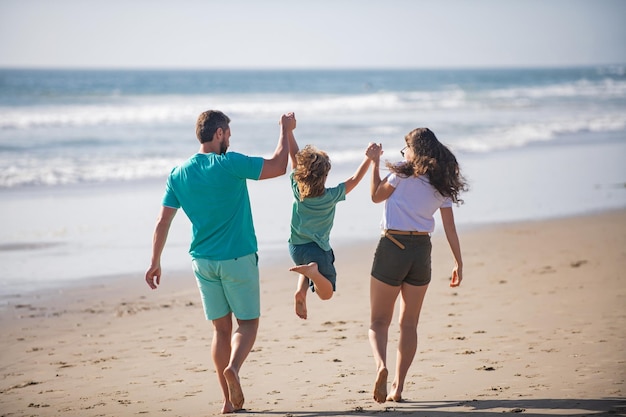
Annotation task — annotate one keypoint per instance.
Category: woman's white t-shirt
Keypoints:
(412, 205)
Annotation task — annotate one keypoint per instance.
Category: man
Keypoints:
(211, 189)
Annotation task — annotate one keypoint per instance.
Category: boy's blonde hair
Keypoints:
(312, 167)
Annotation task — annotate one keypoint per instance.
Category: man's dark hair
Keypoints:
(208, 123)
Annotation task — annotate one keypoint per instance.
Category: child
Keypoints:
(312, 219)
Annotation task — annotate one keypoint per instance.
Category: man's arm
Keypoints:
(277, 164)
(161, 230)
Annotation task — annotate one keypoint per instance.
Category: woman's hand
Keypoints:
(457, 277)
(374, 151)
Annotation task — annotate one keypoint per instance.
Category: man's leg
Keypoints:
(220, 352)
(241, 344)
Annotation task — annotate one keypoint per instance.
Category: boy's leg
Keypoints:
(300, 296)
(323, 286)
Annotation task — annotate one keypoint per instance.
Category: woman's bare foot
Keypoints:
(235, 393)
(395, 394)
(380, 386)
(228, 408)
(394, 397)
(300, 303)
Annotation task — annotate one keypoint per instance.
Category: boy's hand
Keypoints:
(288, 120)
(374, 151)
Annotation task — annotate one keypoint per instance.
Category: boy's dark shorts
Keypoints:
(311, 252)
(393, 265)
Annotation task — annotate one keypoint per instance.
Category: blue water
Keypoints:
(83, 154)
(63, 127)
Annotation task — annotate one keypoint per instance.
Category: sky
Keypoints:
(266, 34)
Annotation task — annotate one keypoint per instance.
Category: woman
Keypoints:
(428, 179)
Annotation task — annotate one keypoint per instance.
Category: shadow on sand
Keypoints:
(477, 408)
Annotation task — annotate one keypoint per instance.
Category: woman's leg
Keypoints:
(410, 306)
(382, 301)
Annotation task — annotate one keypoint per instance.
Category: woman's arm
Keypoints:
(447, 218)
(380, 190)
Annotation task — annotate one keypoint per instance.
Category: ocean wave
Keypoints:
(605, 89)
(65, 171)
(158, 110)
(523, 134)
(19, 170)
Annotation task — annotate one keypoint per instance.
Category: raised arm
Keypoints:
(380, 190)
(353, 181)
(293, 149)
(447, 218)
(161, 230)
(277, 164)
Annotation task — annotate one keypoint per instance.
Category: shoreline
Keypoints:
(537, 327)
(271, 262)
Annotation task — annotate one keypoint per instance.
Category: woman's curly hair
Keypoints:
(312, 167)
(430, 157)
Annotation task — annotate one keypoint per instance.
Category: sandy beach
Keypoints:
(538, 328)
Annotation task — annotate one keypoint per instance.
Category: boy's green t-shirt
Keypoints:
(312, 219)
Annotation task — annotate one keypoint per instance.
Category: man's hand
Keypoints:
(153, 276)
(288, 121)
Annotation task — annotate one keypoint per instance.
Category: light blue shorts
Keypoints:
(229, 286)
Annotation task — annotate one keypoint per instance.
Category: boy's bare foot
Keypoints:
(306, 270)
(300, 303)
(235, 393)
(380, 386)
(323, 287)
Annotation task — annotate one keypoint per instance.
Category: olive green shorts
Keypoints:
(394, 266)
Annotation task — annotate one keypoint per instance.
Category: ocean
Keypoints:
(84, 153)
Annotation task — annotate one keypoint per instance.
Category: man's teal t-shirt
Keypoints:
(212, 191)
(312, 219)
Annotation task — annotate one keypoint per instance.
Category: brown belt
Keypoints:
(389, 232)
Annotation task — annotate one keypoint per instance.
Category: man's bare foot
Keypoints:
(235, 393)
(380, 386)
(300, 302)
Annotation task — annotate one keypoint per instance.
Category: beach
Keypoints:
(537, 327)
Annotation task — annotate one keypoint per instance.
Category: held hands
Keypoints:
(288, 121)
(374, 151)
